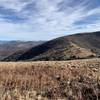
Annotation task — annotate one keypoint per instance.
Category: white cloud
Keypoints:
(16, 5)
(45, 17)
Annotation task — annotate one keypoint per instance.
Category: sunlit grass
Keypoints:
(63, 80)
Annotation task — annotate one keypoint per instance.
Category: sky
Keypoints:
(47, 19)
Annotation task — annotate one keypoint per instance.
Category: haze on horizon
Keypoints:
(47, 19)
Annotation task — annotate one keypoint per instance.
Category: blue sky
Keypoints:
(47, 19)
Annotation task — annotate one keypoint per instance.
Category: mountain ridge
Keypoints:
(8, 48)
(77, 46)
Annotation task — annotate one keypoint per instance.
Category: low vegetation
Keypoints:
(50, 80)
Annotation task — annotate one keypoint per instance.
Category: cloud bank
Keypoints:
(47, 19)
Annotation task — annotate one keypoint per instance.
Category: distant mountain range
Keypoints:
(77, 46)
(8, 48)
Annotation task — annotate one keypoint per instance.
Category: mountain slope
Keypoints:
(8, 48)
(76, 46)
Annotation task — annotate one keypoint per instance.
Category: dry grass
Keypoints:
(64, 80)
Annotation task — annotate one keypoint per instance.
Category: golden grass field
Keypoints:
(50, 80)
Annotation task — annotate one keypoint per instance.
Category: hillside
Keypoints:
(8, 48)
(83, 45)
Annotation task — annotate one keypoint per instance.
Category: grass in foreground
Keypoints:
(65, 80)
